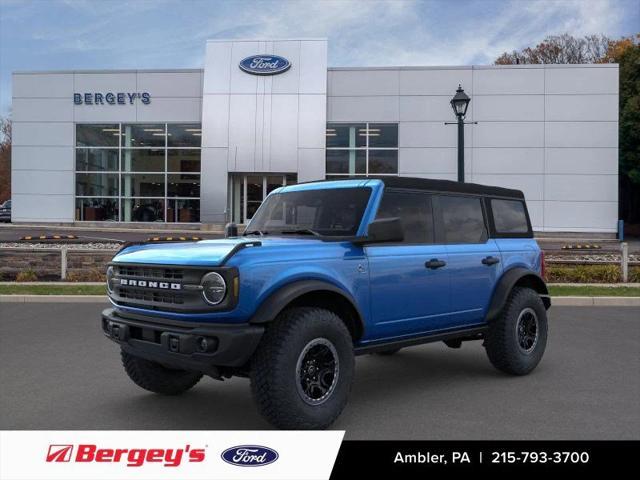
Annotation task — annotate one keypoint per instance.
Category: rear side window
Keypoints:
(509, 216)
(414, 211)
(462, 219)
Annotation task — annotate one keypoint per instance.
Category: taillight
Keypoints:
(543, 266)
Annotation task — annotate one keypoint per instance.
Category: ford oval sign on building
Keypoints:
(265, 64)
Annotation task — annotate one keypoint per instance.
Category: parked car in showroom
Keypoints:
(5, 211)
(326, 271)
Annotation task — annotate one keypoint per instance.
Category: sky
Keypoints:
(111, 34)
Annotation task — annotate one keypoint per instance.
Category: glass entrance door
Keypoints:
(247, 192)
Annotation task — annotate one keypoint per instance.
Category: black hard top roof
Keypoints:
(449, 186)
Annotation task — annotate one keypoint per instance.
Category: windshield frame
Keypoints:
(308, 232)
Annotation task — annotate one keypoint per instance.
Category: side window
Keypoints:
(462, 219)
(414, 211)
(509, 216)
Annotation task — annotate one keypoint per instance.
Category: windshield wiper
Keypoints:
(301, 231)
(255, 232)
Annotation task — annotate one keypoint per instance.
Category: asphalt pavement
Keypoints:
(57, 371)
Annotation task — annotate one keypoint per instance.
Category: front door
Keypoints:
(409, 281)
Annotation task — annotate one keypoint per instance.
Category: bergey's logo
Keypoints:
(249, 455)
(131, 457)
(265, 64)
(59, 453)
(111, 98)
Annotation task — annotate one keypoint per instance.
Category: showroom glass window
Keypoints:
(361, 149)
(138, 172)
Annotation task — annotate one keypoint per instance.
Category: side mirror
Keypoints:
(230, 230)
(383, 230)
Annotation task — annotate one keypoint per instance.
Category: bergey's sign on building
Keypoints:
(265, 64)
(110, 98)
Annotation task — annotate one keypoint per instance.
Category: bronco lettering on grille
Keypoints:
(128, 282)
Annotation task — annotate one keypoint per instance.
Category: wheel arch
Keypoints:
(315, 293)
(516, 277)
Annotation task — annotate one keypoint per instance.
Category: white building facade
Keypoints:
(206, 146)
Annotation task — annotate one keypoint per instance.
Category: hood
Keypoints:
(202, 253)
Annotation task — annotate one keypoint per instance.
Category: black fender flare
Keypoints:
(278, 300)
(506, 283)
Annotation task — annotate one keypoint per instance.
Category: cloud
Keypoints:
(171, 34)
(372, 32)
(414, 33)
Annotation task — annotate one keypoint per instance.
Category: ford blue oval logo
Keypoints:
(249, 455)
(265, 64)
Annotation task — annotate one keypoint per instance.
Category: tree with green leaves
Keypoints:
(626, 52)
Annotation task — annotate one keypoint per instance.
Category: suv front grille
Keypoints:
(130, 293)
(168, 288)
(163, 288)
(166, 274)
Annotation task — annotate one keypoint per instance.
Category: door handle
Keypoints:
(435, 263)
(490, 261)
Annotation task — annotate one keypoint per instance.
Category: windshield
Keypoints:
(325, 212)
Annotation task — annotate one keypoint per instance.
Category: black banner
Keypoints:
(412, 459)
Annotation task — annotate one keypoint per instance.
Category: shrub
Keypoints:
(26, 276)
(97, 275)
(583, 273)
(92, 275)
(634, 274)
(589, 273)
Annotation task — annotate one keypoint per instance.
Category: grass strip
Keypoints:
(593, 291)
(26, 289)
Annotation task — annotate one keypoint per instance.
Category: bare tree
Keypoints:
(5, 159)
(563, 48)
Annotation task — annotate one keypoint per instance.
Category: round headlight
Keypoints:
(110, 274)
(214, 288)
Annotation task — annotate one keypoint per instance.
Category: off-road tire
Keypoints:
(156, 378)
(274, 376)
(387, 353)
(502, 342)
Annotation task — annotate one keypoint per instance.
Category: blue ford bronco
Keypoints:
(326, 271)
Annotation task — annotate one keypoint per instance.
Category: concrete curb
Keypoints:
(608, 285)
(555, 301)
(595, 301)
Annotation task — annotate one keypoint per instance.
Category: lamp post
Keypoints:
(460, 103)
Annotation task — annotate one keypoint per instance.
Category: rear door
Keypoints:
(473, 258)
(513, 233)
(407, 295)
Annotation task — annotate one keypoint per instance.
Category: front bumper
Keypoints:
(180, 345)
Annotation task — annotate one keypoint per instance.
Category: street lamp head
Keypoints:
(460, 102)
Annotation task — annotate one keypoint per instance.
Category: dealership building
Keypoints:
(207, 145)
